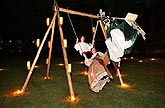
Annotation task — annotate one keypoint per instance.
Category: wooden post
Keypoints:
(121, 81)
(118, 73)
(50, 52)
(94, 34)
(106, 58)
(38, 53)
(65, 58)
(102, 27)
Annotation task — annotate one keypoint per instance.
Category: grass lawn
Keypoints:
(145, 79)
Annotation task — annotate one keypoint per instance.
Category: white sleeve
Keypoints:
(88, 62)
(90, 47)
(94, 55)
(128, 44)
(77, 47)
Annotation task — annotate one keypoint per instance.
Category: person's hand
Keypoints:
(107, 24)
(77, 40)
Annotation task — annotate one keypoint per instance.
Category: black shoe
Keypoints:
(111, 77)
(104, 77)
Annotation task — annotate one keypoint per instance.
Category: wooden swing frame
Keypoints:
(52, 27)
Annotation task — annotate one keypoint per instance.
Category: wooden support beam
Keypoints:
(50, 52)
(94, 33)
(38, 53)
(72, 94)
(118, 72)
(78, 13)
(84, 14)
(102, 27)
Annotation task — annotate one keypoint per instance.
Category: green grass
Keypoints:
(146, 81)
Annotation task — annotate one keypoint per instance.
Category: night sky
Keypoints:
(27, 19)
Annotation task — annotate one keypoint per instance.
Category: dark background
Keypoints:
(25, 21)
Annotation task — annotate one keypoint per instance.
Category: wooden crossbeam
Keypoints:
(78, 13)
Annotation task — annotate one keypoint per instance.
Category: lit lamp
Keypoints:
(47, 61)
(73, 98)
(105, 27)
(118, 64)
(38, 42)
(49, 44)
(28, 65)
(85, 73)
(61, 20)
(69, 68)
(65, 43)
(93, 29)
(47, 21)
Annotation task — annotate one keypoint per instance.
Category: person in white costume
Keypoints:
(116, 44)
(82, 46)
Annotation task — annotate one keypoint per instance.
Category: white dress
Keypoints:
(83, 47)
(117, 44)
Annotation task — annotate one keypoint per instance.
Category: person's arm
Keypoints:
(76, 46)
(93, 41)
(77, 40)
(90, 46)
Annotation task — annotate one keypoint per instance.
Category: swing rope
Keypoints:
(92, 24)
(72, 26)
(74, 32)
